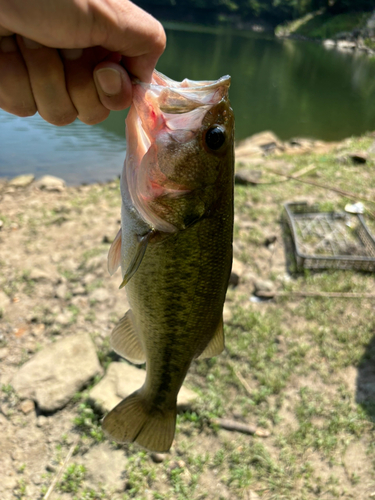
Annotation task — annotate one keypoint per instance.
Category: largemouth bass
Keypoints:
(174, 247)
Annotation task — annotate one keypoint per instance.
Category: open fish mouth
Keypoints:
(164, 113)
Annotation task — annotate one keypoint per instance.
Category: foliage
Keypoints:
(276, 10)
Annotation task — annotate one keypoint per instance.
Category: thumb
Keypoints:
(133, 33)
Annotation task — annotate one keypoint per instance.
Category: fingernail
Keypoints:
(8, 44)
(71, 54)
(31, 44)
(109, 80)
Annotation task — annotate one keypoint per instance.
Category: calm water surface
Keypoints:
(293, 88)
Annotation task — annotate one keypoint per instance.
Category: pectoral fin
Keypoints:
(216, 344)
(138, 256)
(114, 254)
(125, 340)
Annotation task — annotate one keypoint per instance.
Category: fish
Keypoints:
(174, 246)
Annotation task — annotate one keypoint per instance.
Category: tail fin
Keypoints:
(134, 420)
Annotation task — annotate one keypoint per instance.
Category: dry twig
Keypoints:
(61, 469)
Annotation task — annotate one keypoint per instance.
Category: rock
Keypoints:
(64, 318)
(234, 279)
(359, 157)
(99, 295)
(38, 275)
(345, 45)
(21, 180)
(158, 458)
(79, 290)
(41, 421)
(263, 286)
(227, 313)
(121, 380)
(50, 183)
(270, 240)
(238, 267)
(329, 44)
(55, 374)
(61, 291)
(4, 351)
(246, 176)
(265, 142)
(27, 406)
(4, 300)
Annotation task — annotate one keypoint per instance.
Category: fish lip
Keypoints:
(204, 85)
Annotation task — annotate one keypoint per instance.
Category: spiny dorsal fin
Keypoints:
(125, 340)
(138, 256)
(114, 254)
(216, 344)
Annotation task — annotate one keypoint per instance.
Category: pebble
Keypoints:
(234, 279)
(158, 457)
(4, 351)
(27, 406)
(41, 421)
(263, 286)
(61, 291)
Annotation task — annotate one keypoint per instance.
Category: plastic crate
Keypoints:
(329, 240)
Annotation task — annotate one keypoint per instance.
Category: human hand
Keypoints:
(72, 58)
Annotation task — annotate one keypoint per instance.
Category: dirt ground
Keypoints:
(299, 369)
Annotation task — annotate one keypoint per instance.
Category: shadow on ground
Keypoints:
(365, 395)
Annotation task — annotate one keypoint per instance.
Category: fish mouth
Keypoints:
(185, 96)
(163, 112)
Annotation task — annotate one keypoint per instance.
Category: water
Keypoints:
(293, 88)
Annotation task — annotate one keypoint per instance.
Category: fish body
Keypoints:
(175, 246)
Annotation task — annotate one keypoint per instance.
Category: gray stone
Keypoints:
(246, 176)
(55, 374)
(22, 180)
(121, 380)
(263, 286)
(51, 183)
(99, 295)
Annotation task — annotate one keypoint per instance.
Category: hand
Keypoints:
(72, 58)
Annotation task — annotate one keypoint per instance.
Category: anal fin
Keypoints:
(125, 340)
(216, 344)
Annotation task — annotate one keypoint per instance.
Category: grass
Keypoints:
(307, 361)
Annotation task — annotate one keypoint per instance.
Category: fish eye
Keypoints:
(215, 138)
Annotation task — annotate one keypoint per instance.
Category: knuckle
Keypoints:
(22, 110)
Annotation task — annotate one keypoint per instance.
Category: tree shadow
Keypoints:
(365, 395)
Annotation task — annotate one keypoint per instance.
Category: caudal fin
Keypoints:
(133, 420)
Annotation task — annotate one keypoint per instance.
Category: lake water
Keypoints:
(293, 88)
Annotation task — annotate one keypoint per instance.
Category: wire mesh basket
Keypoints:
(329, 240)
